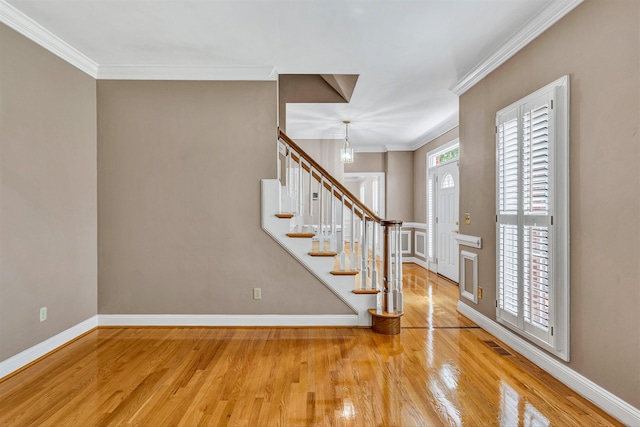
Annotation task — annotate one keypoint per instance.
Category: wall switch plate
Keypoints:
(257, 293)
(467, 218)
(43, 314)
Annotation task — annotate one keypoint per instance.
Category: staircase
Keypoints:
(309, 213)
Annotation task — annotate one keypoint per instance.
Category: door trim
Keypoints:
(431, 170)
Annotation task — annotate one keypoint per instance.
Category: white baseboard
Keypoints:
(27, 356)
(296, 320)
(31, 354)
(415, 260)
(606, 400)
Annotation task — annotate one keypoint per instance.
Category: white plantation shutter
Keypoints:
(536, 194)
(532, 277)
(508, 153)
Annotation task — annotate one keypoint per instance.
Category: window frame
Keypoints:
(558, 340)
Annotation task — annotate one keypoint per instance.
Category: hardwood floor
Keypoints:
(438, 371)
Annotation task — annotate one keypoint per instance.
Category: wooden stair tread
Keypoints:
(365, 291)
(385, 314)
(285, 215)
(301, 235)
(344, 272)
(329, 254)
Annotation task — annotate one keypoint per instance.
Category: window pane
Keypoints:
(447, 182)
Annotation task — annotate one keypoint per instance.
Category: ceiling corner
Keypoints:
(539, 24)
(18, 21)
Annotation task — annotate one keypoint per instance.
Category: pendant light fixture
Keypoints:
(346, 152)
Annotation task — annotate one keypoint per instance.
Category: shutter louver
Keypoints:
(508, 166)
(508, 272)
(536, 276)
(535, 161)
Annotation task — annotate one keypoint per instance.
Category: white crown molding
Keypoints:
(603, 398)
(35, 352)
(369, 149)
(186, 72)
(436, 132)
(18, 21)
(294, 320)
(539, 24)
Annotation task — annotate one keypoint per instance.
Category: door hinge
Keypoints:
(552, 331)
(496, 218)
(496, 303)
(551, 219)
(496, 128)
(436, 220)
(436, 260)
(552, 104)
(436, 179)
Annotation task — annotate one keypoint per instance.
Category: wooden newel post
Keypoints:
(388, 320)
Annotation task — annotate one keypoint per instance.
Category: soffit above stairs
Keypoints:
(343, 84)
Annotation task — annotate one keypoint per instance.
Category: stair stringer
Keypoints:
(320, 267)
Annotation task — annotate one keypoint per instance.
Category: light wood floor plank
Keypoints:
(438, 371)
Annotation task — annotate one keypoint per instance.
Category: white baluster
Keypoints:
(365, 255)
(332, 238)
(343, 256)
(374, 267)
(352, 249)
(310, 199)
(300, 195)
(321, 214)
(289, 183)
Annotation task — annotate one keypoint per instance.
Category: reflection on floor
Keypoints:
(440, 370)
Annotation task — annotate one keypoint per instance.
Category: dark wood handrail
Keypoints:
(328, 177)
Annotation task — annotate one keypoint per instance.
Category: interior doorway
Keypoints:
(369, 187)
(443, 198)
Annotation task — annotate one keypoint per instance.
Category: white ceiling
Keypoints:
(408, 53)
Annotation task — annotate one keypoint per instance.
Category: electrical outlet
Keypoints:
(479, 292)
(257, 293)
(43, 314)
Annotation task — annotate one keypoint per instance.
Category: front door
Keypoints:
(447, 220)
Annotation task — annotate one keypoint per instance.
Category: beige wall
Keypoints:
(367, 162)
(399, 175)
(179, 172)
(327, 153)
(598, 44)
(420, 173)
(47, 195)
